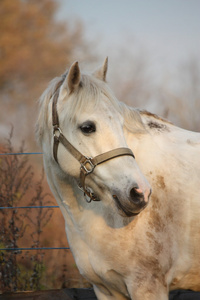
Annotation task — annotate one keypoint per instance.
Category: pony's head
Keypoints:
(90, 123)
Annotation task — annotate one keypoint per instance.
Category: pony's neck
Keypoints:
(64, 189)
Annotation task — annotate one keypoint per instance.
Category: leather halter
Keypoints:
(88, 164)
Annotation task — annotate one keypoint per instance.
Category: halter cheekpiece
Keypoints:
(88, 164)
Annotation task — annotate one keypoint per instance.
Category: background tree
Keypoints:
(34, 48)
(184, 96)
(175, 95)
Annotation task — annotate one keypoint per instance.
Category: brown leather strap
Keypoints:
(111, 154)
(55, 147)
(58, 136)
(55, 123)
(70, 148)
(55, 119)
(87, 192)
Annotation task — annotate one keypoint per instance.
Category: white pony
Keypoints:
(124, 247)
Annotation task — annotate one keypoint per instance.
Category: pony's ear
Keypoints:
(101, 72)
(73, 78)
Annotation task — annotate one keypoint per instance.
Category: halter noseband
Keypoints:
(87, 163)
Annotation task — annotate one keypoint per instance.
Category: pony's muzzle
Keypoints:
(138, 197)
(134, 201)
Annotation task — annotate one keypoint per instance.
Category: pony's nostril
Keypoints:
(136, 195)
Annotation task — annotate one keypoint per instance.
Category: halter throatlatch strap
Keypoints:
(87, 163)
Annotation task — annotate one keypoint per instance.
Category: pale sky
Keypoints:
(165, 33)
(169, 30)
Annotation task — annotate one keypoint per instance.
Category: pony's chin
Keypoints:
(127, 214)
(127, 210)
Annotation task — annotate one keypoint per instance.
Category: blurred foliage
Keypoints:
(21, 271)
(173, 94)
(34, 48)
(32, 43)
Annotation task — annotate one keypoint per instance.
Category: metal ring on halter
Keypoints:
(88, 198)
(83, 165)
(56, 129)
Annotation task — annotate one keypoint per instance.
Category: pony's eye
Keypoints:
(88, 127)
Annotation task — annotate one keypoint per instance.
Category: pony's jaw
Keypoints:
(131, 205)
(129, 197)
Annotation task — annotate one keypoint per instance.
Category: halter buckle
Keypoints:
(90, 196)
(56, 131)
(88, 199)
(85, 168)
